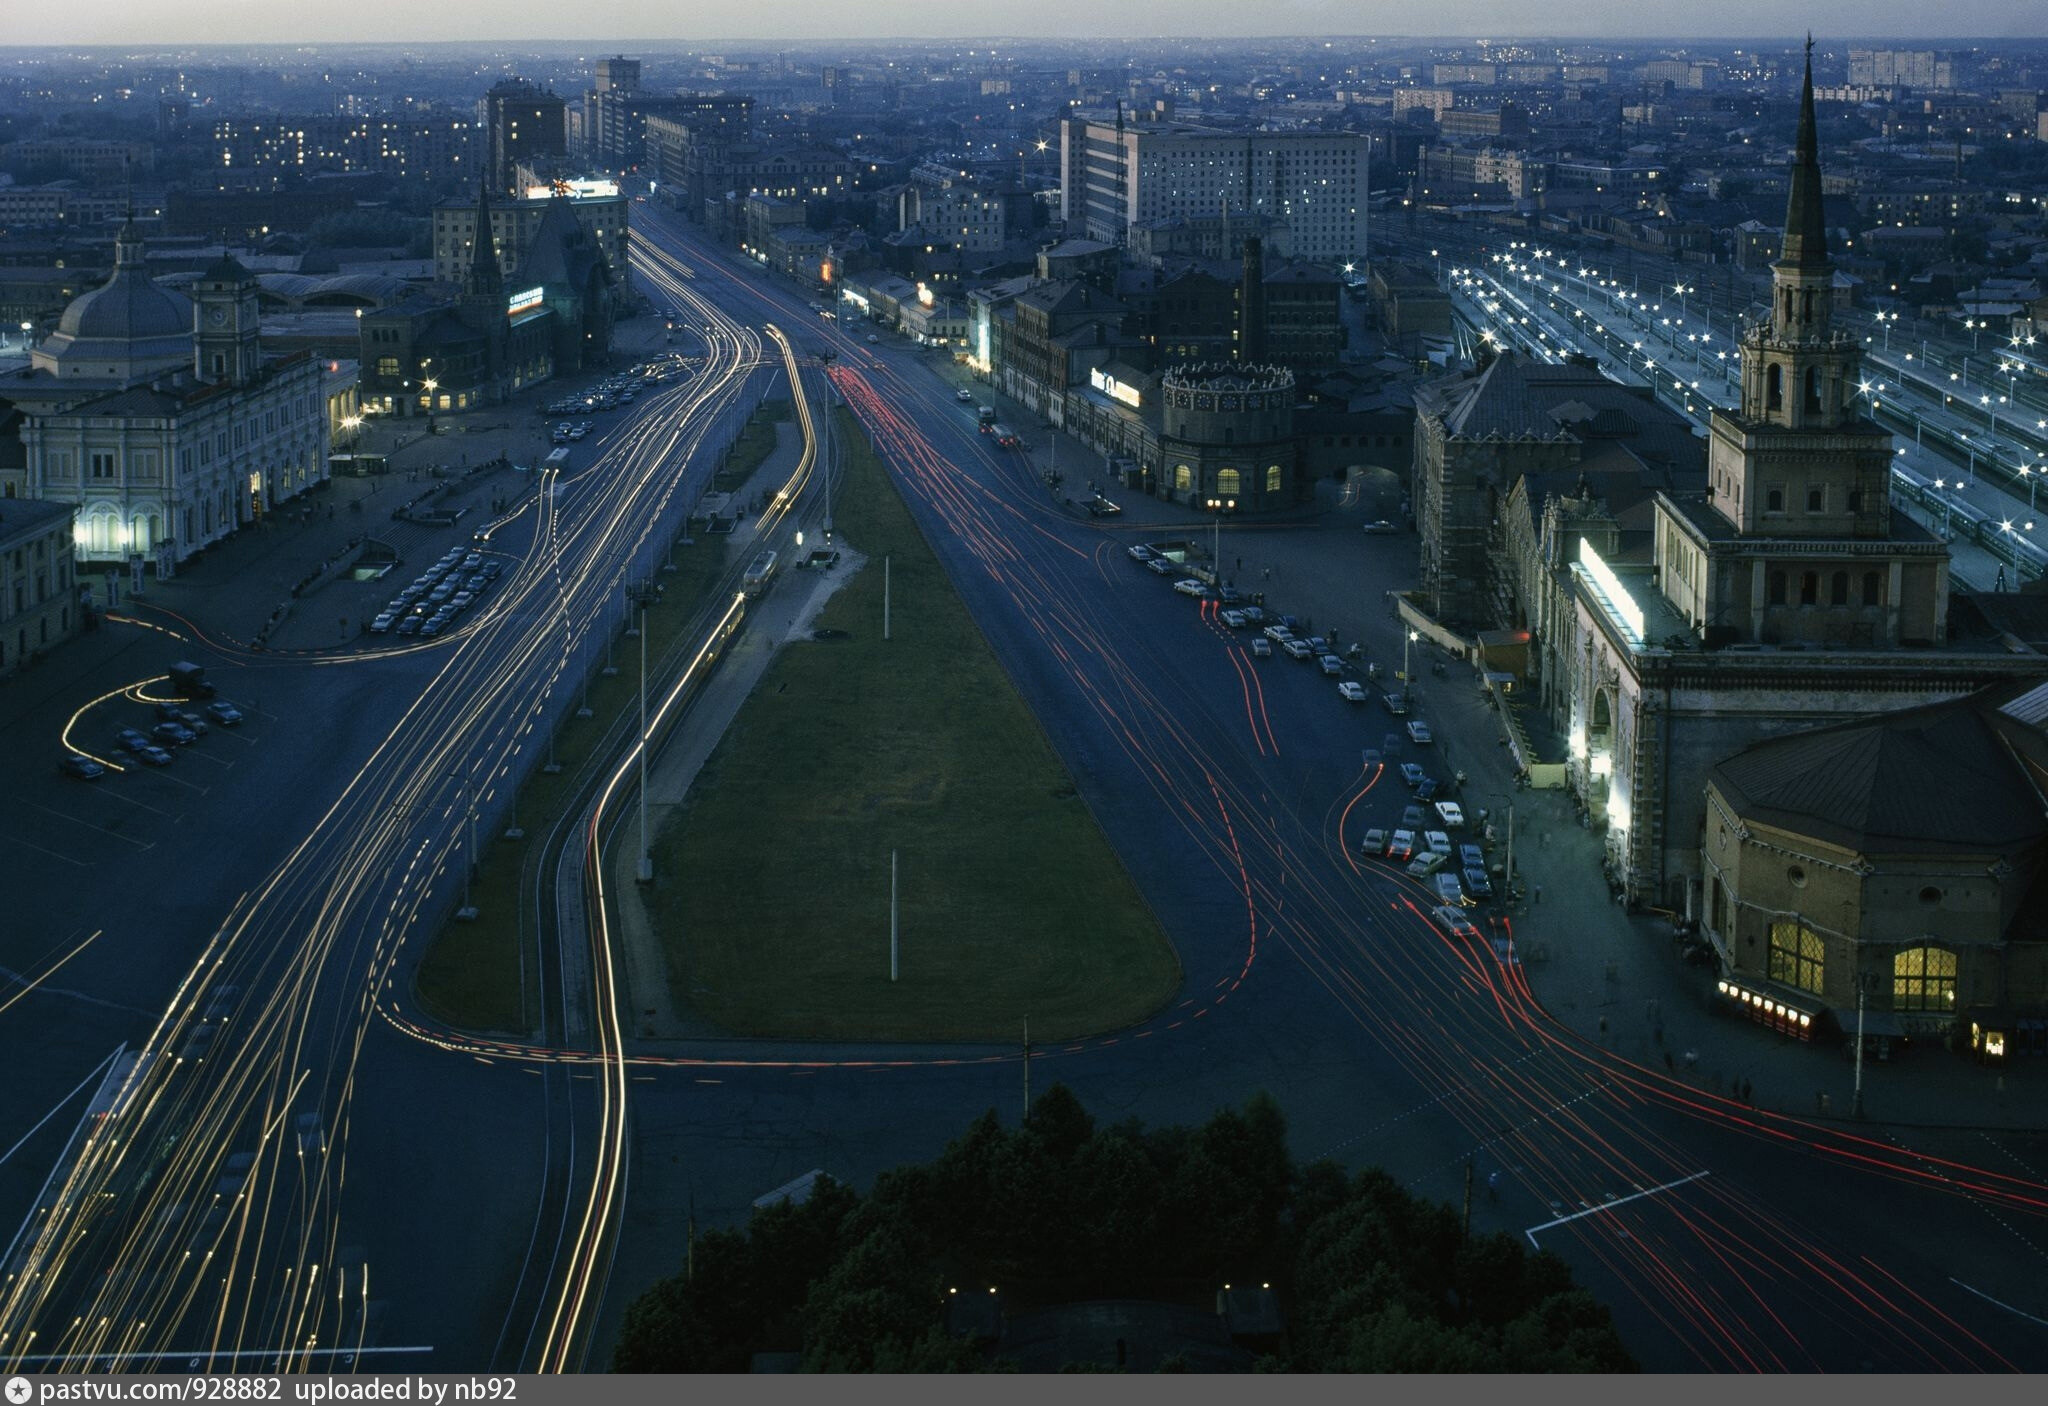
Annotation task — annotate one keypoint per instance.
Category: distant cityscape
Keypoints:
(1609, 469)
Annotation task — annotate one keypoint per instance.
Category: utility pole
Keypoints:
(885, 599)
(1511, 849)
(643, 594)
(894, 918)
(1856, 1099)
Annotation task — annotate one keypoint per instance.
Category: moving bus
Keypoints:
(756, 579)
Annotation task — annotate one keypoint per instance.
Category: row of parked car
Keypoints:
(437, 595)
(618, 390)
(175, 726)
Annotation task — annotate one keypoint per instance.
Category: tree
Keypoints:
(1060, 1209)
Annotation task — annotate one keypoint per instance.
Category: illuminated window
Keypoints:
(1272, 478)
(1183, 477)
(1798, 957)
(1229, 482)
(1924, 979)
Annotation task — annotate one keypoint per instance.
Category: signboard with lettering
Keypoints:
(1120, 391)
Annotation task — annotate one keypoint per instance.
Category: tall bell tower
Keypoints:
(1800, 458)
(227, 326)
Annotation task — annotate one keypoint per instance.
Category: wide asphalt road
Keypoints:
(1233, 787)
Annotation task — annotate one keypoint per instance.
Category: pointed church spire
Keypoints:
(485, 276)
(1806, 234)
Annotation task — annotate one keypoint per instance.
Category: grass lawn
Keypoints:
(471, 976)
(755, 444)
(772, 890)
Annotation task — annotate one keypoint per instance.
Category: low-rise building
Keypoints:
(38, 599)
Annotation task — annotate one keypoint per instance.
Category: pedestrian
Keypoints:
(1268, 573)
(1240, 563)
(1536, 895)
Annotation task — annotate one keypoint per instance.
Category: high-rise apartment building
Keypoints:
(1116, 173)
(522, 123)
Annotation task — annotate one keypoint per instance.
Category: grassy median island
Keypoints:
(772, 892)
(471, 975)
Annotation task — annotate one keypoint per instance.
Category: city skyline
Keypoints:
(128, 22)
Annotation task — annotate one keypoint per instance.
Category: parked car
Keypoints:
(1412, 773)
(1138, 551)
(1471, 856)
(1351, 692)
(383, 623)
(224, 713)
(1477, 884)
(1425, 864)
(1253, 614)
(1412, 817)
(1438, 841)
(1330, 664)
(410, 625)
(1452, 813)
(169, 712)
(1369, 757)
(1449, 889)
(1298, 649)
(1418, 732)
(1426, 789)
(1396, 703)
(1402, 847)
(1189, 586)
(1381, 528)
(1279, 634)
(1160, 566)
(1234, 619)
(964, 396)
(1374, 843)
(1454, 922)
(1229, 595)
(82, 767)
(1262, 649)
(176, 734)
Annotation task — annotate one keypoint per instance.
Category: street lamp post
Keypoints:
(1407, 649)
(643, 594)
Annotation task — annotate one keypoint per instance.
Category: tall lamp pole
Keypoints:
(643, 594)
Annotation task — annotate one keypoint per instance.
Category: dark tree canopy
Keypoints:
(1062, 1209)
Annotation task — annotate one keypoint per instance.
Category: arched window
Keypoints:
(1855, 500)
(1272, 478)
(1228, 482)
(1809, 588)
(1806, 305)
(1813, 388)
(1774, 501)
(1924, 979)
(1774, 387)
(1870, 593)
(1816, 500)
(1777, 580)
(1183, 477)
(138, 537)
(1798, 957)
(1838, 589)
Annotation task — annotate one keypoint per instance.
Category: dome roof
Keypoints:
(125, 329)
(128, 307)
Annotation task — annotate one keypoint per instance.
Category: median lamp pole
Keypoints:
(467, 912)
(643, 595)
(1407, 647)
